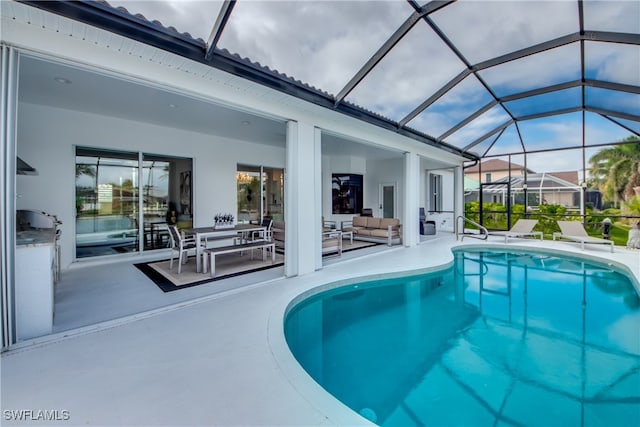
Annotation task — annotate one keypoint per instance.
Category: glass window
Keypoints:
(260, 193)
(166, 197)
(106, 202)
(249, 193)
(320, 43)
(483, 30)
(435, 185)
(274, 193)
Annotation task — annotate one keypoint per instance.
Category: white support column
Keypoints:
(410, 228)
(317, 211)
(302, 199)
(458, 193)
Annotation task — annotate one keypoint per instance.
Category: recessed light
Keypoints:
(62, 80)
(246, 122)
(172, 105)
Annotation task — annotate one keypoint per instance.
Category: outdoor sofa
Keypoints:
(378, 230)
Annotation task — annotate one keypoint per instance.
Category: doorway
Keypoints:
(260, 192)
(387, 197)
(125, 200)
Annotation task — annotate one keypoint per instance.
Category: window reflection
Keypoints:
(122, 202)
(260, 193)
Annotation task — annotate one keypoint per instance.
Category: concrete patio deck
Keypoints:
(215, 360)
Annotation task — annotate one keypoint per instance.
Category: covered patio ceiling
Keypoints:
(480, 78)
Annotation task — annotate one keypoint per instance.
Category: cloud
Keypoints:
(320, 43)
(543, 69)
(417, 67)
(567, 160)
(613, 62)
(324, 43)
(610, 15)
(195, 17)
(487, 29)
(478, 127)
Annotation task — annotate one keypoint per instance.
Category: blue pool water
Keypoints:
(500, 338)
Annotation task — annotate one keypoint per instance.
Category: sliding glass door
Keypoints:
(125, 200)
(260, 193)
(274, 193)
(106, 202)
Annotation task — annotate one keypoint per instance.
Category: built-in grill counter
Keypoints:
(36, 269)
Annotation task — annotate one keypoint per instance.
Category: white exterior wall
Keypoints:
(49, 134)
(444, 220)
(340, 164)
(47, 138)
(387, 172)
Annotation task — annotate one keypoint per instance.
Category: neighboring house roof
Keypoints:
(470, 183)
(494, 165)
(535, 181)
(569, 176)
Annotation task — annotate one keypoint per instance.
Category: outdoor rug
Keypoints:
(357, 244)
(227, 265)
(346, 246)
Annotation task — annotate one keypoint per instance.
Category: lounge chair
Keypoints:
(574, 231)
(522, 228)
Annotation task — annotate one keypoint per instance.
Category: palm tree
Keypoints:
(83, 169)
(616, 170)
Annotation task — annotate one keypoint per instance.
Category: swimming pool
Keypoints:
(499, 338)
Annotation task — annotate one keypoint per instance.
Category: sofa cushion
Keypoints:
(373, 222)
(359, 221)
(364, 231)
(386, 222)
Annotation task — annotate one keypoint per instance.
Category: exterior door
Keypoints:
(388, 200)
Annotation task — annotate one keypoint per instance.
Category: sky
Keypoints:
(325, 43)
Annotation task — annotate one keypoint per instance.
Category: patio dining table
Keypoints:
(203, 233)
